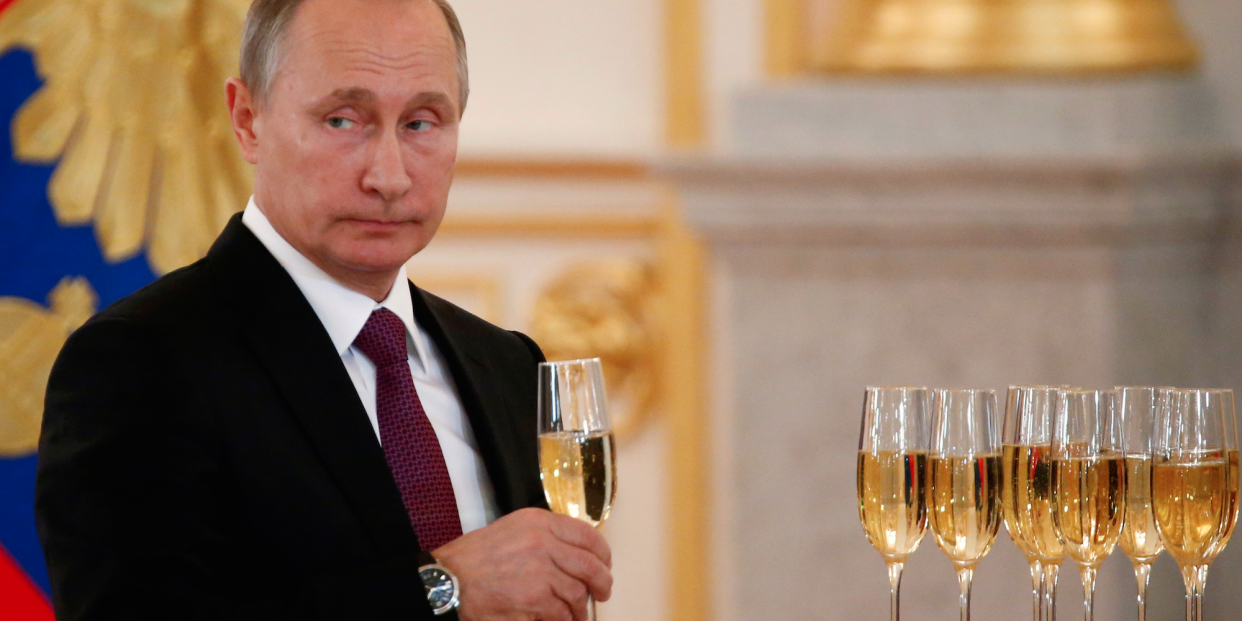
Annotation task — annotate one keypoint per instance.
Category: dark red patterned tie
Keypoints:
(408, 440)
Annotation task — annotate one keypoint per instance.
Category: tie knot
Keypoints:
(382, 339)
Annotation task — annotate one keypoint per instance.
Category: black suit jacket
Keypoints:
(205, 455)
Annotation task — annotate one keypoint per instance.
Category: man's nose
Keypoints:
(385, 172)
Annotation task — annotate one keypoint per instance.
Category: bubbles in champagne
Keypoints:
(1191, 499)
(1027, 500)
(577, 469)
(966, 505)
(1089, 501)
(1140, 539)
(892, 501)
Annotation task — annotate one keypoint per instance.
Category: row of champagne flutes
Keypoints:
(1072, 472)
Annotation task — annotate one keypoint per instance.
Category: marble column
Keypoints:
(964, 234)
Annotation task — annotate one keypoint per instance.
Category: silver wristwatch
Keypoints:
(443, 592)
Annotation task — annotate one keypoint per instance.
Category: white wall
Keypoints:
(559, 77)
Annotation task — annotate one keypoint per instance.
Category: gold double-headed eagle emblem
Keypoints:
(132, 109)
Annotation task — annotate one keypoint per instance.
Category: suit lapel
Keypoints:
(291, 343)
(484, 405)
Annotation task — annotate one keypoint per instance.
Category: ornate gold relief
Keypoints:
(30, 339)
(133, 107)
(606, 309)
(975, 36)
(935, 36)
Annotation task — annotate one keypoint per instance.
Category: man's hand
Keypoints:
(529, 565)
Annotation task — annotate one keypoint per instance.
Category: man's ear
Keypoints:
(242, 111)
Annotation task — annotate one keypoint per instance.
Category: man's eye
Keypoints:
(338, 122)
(420, 126)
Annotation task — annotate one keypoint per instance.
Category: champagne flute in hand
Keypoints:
(1088, 484)
(577, 456)
(1027, 492)
(965, 485)
(1191, 483)
(892, 477)
(1140, 539)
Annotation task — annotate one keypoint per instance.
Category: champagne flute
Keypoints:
(892, 477)
(1191, 484)
(965, 484)
(1231, 452)
(1027, 492)
(1140, 539)
(1088, 484)
(577, 455)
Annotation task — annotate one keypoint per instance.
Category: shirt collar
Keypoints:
(341, 310)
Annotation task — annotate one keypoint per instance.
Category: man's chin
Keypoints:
(376, 257)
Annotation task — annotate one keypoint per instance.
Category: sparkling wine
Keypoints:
(966, 505)
(1027, 500)
(1191, 499)
(1231, 510)
(892, 501)
(1140, 539)
(578, 469)
(1089, 505)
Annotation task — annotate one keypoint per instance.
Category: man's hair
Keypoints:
(264, 33)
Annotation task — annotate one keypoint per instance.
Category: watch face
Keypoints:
(441, 590)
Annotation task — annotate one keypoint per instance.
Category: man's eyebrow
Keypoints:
(430, 99)
(365, 97)
(356, 94)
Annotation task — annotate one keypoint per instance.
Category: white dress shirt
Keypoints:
(343, 312)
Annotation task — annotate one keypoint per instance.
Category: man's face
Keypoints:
(355, 145)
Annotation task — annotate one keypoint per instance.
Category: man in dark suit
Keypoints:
(289, 429)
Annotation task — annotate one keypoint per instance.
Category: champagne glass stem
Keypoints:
(590, 608)
(1200, 584)
(1188, 579)
(1142, 574)
(894, 588)
(1037, 580)
(1051, 571)
(1088, 592)
(964, 577)
(1195, 578)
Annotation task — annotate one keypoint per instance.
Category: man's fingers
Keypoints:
(580, 534)
(574, 594)
(586, 569)
(557, 609)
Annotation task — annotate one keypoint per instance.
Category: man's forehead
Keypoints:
(388, 28)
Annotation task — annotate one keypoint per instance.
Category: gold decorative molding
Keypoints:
(576, 169)
(683, 381)
(683, 390)
(132, 108)
(683, 74)
(984, 36)
(963, 37)
(30, 339)
(607, 309)
(785, 37)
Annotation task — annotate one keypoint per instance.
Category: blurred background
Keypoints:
(751, 209)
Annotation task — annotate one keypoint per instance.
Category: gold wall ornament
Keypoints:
(1018, 36)
(133, 106)
(30, 339)
(606, 309)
